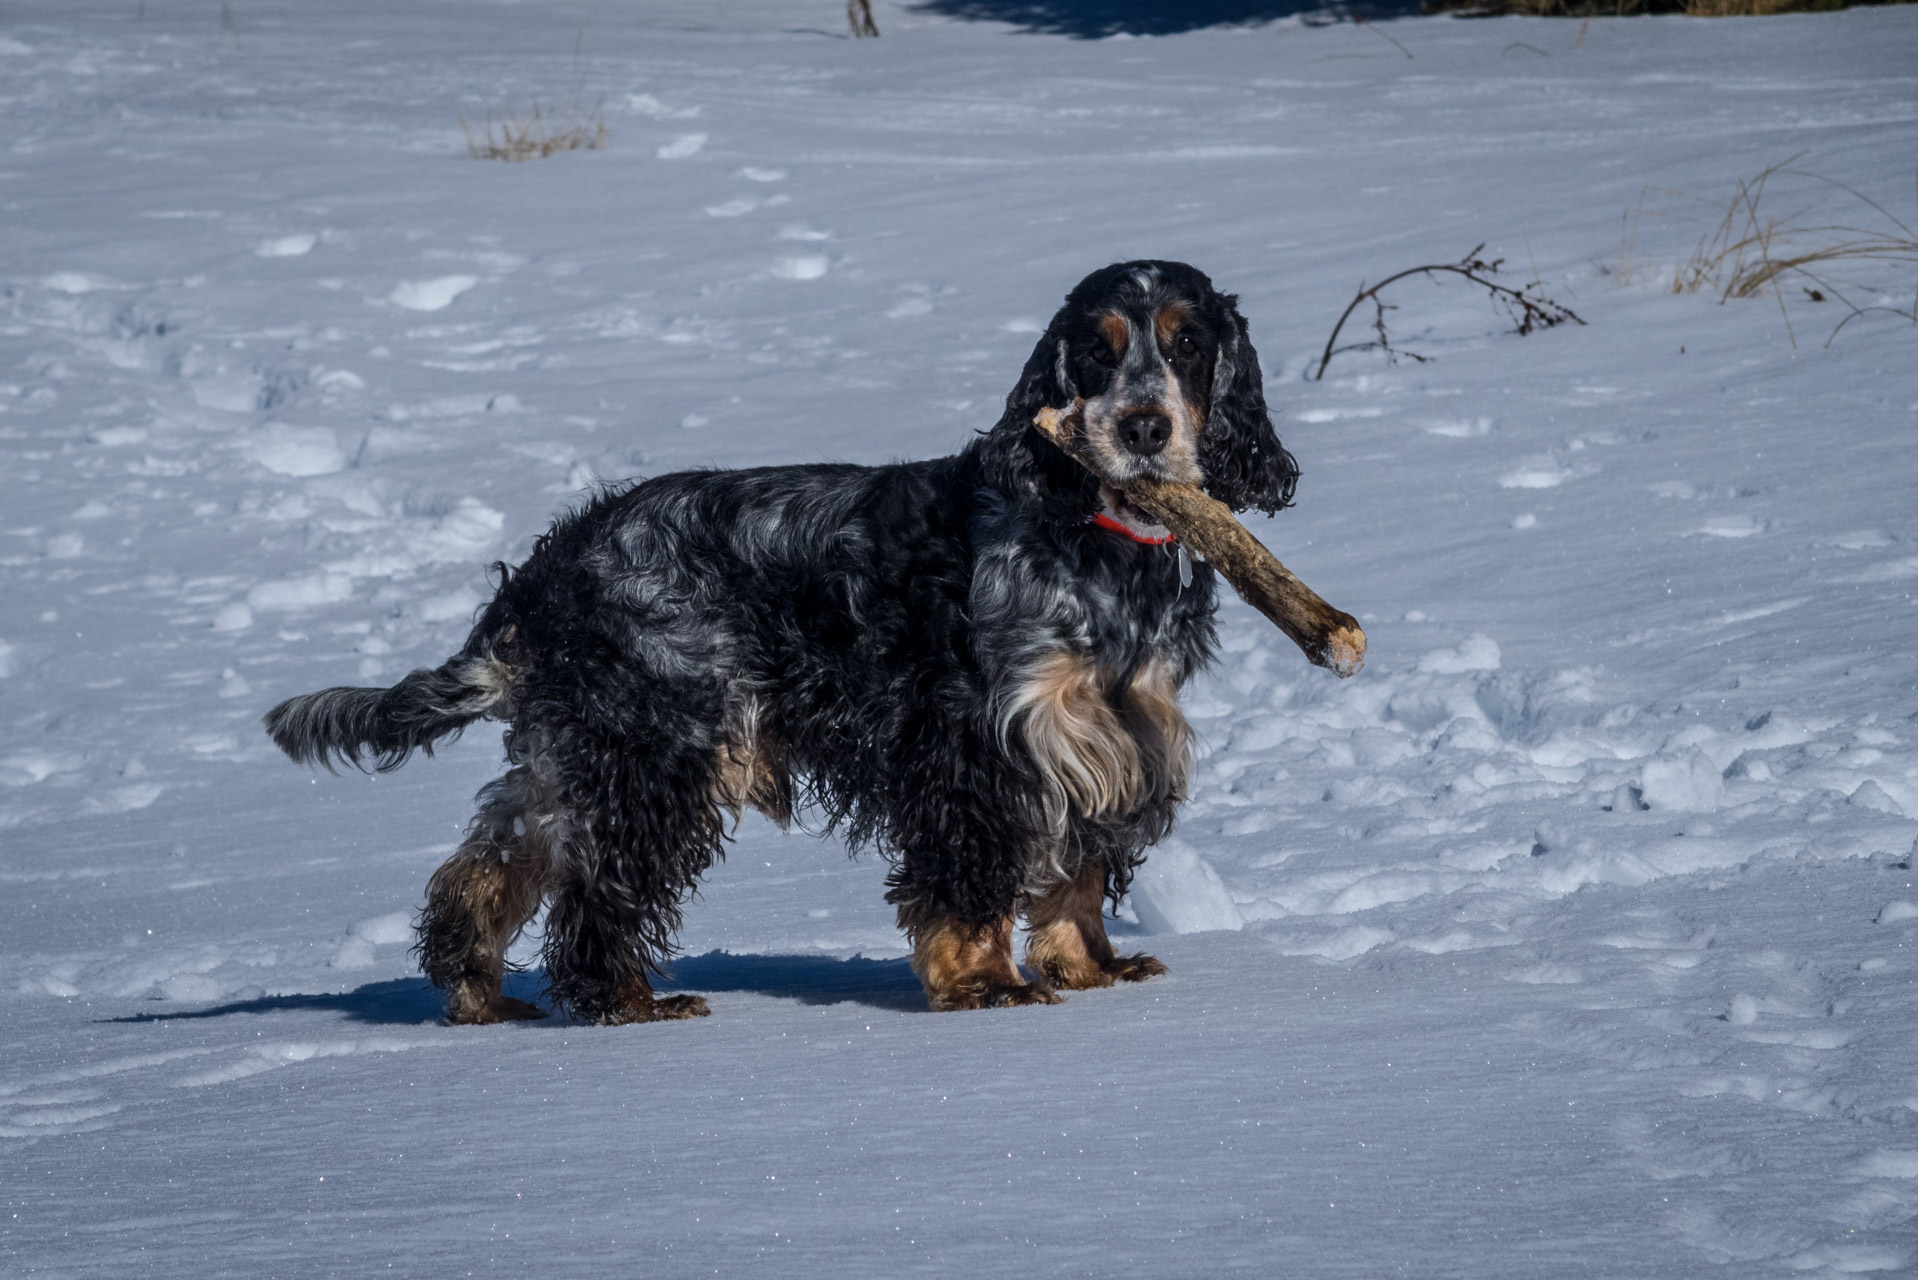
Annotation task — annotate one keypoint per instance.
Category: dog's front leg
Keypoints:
(1067, 943)
(966, 966)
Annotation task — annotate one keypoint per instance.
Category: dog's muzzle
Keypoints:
(1144, 433)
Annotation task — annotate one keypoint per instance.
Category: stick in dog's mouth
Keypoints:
(1130, 513)
(1330, 637)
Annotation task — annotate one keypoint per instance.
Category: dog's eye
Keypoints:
(1101, 355)
(1185, 346)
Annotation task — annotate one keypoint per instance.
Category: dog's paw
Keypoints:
(663, 1009)
(1024, 993)
(672, 1007)
(1066, 975)
(496, 1009)
(1134, 968)
(995, 996)
(1081, 974)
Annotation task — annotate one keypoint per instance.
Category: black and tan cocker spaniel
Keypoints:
(971, 664)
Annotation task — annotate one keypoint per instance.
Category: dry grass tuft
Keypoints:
(1750, 249)
(1756, 8)
(533, 136)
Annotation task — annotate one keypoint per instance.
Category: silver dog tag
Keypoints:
(1185, 568)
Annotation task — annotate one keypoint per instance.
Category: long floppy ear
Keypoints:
(1239, 452)
(1018, 460)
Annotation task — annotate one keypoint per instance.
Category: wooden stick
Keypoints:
(1330, 638)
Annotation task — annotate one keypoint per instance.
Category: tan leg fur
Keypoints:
(969, 968)
(1067, 944)
(488, 897)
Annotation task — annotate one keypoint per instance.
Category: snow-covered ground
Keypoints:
(1574, 937)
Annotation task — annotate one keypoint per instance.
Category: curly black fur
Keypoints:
(351, 725)
(864, 627)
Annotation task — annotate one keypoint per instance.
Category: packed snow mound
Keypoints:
(295, 451)
(1688, 782)
(1177, 891)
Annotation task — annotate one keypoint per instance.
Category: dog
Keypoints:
(971, 664)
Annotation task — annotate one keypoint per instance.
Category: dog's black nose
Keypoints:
(1145, 433)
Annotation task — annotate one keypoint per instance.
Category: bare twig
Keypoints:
(1528, 308)
(859, 18)
(1628, 240)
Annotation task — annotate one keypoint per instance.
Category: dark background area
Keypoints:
(1090, 19)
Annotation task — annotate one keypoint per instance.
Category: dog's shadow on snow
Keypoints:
(402, 1000)
(880, 984)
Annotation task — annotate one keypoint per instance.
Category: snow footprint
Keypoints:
(1458, 428)
(648, 105)
(1537, 473)
(683, 147)
(739, 206)
(293, 246)
(357, 950)
(806, 266)
(917, 302)
(430, 295)
(1730, 527)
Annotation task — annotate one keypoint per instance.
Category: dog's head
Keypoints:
(1171, 386)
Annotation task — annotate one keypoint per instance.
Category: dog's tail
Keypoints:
(386, 726)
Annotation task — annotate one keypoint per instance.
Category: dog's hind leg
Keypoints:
(597, 958)
(1067, 943)
(644, 825)
(477, 902)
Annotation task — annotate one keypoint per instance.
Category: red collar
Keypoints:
(1105, 521)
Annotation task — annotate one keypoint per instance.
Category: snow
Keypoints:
(294, 451)
(430, 295)
(1179, 892)
(1574, 936)
(1689, 782)
(809, 266)
(286, 246)
(682, 147)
